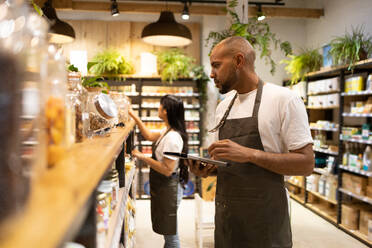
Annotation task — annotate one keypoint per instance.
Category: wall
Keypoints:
(95, 36)
(339, 15)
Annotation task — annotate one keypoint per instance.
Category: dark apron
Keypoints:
(163, 192)
(251, 202)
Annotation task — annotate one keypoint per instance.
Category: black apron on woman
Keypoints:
(163, 191)
(251, 202)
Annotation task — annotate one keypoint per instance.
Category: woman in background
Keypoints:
(168, 175)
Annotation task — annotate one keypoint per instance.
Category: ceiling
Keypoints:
(294, 9)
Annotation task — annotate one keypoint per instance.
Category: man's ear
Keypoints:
(239, 60)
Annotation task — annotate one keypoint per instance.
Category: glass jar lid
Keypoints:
(106, 106)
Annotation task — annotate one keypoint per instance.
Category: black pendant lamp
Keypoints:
(166, 32)
(60, 32)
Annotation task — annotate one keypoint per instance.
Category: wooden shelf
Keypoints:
(330, 71)
(117, 217)
(129, 176)
(320, 210)
(297, 198)
(325, 129)
(116, 220)
(334, 202)
(295, 184)
(322, 108)
(60, 194)
(360, 93)
(359, 197)
(356, 115)
(146, 118)
(357, 234)
(325, 151)
(324, 93)
(360, 141)
(321, 171)
(360, 172)
(175, 94)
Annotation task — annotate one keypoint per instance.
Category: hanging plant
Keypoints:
(174, 64)
(351, 48)
(109, 62)
(299, 65)
(202, 79)
(258, 34)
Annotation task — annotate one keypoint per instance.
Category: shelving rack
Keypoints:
(341, 72)
(64, 198)
(138, 97)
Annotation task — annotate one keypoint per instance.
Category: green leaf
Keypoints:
(73, 68)
(256, 32)
(37, 9)
(109, 62)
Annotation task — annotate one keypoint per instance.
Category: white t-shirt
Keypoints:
(171, 142)
(282, 119)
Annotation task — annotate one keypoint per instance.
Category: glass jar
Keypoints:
(102, 109)
(106, 187)
(102, 214)
(22, 42)
(123, 104)
(58, 127)
(78, 96)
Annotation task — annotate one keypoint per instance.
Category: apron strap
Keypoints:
(257, 103)
(156, 144)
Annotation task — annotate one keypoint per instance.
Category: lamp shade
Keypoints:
(59, 31)
(166, 32)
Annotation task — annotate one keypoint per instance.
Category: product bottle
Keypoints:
(367, 159)
(345, 157)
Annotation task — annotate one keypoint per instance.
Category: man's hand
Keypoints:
(200, 169)
(229, 150)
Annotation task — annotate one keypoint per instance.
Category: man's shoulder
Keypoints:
(277, 92)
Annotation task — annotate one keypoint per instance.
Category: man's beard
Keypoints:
(228, 85)
(224, 89)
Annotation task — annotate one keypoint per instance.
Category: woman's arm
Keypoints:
(166, 167)
(146, 133)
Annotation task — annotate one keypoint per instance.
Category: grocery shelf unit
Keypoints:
(62, 203)
(342, 72)
(139, 98)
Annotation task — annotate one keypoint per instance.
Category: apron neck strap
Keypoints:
(257, 103)
(156, 144)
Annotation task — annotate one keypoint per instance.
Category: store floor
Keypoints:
(309, 230)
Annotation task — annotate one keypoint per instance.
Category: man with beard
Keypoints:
(262, 131)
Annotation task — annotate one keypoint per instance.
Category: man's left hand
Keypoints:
(229, 150)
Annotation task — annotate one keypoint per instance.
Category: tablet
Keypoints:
(205, 160)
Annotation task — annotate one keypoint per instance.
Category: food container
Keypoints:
(103, 217)
(123, 104)
(106, 188)
(22, 42)
(78, 96)
(58, 127)
(103, 111)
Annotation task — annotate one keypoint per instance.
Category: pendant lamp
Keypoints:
(166, 32)
(60, 32)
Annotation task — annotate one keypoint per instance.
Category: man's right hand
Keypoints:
(200, 169)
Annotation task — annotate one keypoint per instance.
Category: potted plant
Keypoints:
(258, 34)
(299, 65)
(109, 62)
(173, 64)
(351, 48)
(94, 84)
